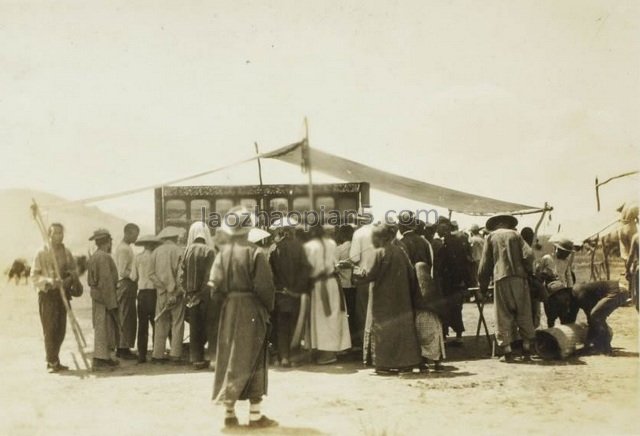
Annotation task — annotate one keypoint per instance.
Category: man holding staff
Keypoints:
(52, 311)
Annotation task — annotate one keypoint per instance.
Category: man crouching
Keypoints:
(597, 299)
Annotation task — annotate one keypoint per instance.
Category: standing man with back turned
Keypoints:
(126, 292)
(506, 259)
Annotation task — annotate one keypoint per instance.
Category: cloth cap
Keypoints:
(565, 244)
(100, 234)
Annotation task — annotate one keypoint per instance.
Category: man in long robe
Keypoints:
(362, 254)
(453, 261)
(506, 259)
(392, 343)
(242, 277)
(102, 278)
(291, 272)
(53, 315)
(428, 324)
(170, 305)
(126, 292)
(195, 270)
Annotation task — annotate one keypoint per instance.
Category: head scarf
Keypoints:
(199, 230)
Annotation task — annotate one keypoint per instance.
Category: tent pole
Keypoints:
(597, 194)
(261, 205)
(450, 214)
(307, 159)
(535, 232)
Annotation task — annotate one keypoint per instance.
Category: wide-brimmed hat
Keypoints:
(148, 240)
(285, 221)
(493, 222)
(256, 235)
(100, 234)
(238, 221)
(171, 232)
(565, 244)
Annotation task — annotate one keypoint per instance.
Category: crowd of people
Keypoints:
(392, 291)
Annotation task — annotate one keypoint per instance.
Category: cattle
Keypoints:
(19, 269)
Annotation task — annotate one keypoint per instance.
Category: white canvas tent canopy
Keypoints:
(351, 171)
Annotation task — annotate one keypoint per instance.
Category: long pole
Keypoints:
(75, 326)
(535, 232)
(261, 205)
(307, 151)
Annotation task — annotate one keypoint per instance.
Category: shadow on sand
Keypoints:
(280, 430)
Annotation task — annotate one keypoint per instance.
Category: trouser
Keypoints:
(213, 321)
(171, 320)
(512, 306)
(53, 317)
(105, 330)
(350, 297)
(360, 313)
(197, 331)
(285, 324)
(599, 333)
(146, 314)
(454, 298)
(127, 313)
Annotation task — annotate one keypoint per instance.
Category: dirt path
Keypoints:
(590, 395)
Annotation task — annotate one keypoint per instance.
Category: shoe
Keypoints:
(231, 422)
(328, 361)
(507, 358)
(158, 361)
(263, 422)
(126, 354)
(200, 365)
(384, 372)
(438, 366)
(285, 363)
(99, 364)
(424, 368)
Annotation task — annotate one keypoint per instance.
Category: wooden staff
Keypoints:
(75, 326)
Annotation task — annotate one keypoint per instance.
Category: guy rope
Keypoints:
(75, 327)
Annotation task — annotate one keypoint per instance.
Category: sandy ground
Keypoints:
(477, 394)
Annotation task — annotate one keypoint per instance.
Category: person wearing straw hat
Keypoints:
(559, 265)
(53, 314)
(241, 277)
(506, 259)
(170, 308)
(291, 272)
(124, 257)
(102, 278)
(195, 270)
(147, 294)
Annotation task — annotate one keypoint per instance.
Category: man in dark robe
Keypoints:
(393, 344)
(291, 272)
(453, 260)
(241, 275)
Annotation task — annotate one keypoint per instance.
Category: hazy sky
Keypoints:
(525, 101)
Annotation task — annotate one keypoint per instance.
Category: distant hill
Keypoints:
(20, 236)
